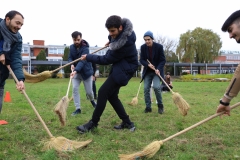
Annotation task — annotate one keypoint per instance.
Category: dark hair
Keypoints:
(113, 21)
(168, 73)
(12, 14)
(76, 34)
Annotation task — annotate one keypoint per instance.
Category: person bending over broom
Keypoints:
(123, 56)
(10, 50)
(82, 70)
(232, 26)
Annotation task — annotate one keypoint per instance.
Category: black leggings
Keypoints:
(109, 92)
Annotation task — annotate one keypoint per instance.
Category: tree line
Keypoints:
(198, 45)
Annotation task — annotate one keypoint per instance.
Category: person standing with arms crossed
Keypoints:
(10, 50)
(123, 56)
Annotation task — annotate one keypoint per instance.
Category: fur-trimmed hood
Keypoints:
(124, 36)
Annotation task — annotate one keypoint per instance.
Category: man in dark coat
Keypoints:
(82, 70)
(10, 50)
(152, 52)
(123, 56)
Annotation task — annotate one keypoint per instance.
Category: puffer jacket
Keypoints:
(122, 55)
(16, 60)
(84, 68)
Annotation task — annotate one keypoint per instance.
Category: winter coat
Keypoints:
(16, 60)
(84, 68)
(158, 58)
(122, 54)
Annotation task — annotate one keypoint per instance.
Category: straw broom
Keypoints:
(151, 149)
(182, 105)
(61, 106)
(57, 143)
(47, 74)
(134, 101)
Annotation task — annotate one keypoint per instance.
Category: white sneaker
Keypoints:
(156, 102)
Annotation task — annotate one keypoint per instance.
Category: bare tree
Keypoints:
(169, 45)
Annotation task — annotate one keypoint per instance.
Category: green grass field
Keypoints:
(217, 139)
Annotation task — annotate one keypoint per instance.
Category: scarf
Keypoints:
(8, 37)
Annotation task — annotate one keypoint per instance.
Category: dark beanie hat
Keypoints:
(230, 20)
(148, 33)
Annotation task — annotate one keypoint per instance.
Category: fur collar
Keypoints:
(123, 37)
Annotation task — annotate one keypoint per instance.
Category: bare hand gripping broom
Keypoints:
(61, 106)
(150, 150)
(58, 143)
(47, 74)
(182, 105)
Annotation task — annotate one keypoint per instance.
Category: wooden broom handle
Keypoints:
(199, 123)
(69, 84)
(162, 78)
(29, 101)
(139, 89)
(76, 60)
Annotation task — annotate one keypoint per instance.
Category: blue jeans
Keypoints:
(148, 79)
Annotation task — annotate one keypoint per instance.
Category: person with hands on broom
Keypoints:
(153, 52)
(123, 56)
(82, 70)
(232, 26)
(10, 50)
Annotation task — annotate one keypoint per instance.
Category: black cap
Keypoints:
(230, 20)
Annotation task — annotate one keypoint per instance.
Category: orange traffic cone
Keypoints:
(7, 97)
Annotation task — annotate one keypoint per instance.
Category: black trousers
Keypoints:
(94, 89)
(1, 98)
(109, 92)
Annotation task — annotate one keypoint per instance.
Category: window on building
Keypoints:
(25, 49)
(55, 50)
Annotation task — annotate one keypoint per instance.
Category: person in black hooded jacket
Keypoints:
(123, 56)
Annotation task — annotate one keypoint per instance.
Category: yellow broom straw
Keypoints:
(150, 150)
(182, 105)
(134, 101)
(58, 143)
(47, 74)
(61, 106)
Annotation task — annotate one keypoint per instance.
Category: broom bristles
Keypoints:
(182, 105)
(134, 101)
(61, 109)
(38, 77)
(64, 144)
(149, 151)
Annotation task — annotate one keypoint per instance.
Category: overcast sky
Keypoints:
(54, 21)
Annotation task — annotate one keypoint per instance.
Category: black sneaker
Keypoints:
(123, 125)
(147, 109)
(160, 108)
(86, 127)
(78, 111)
(93, 104)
